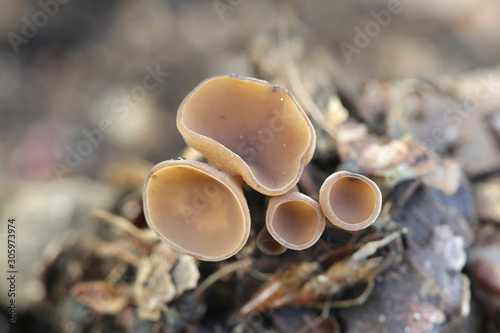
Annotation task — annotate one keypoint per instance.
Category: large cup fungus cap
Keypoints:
(197, 209)
(295, 220)
(350, 201)
(251, 128)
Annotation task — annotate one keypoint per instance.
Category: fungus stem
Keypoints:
(189, 153)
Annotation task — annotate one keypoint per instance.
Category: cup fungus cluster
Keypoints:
(249, 131)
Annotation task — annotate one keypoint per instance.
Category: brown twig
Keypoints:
(223, 271)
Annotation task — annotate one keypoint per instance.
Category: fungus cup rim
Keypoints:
(274, 204)
(219, 177)
(240, 167)
(324, 201)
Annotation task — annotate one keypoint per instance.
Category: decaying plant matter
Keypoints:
(160, 275)
(405, 252)
(309, 282)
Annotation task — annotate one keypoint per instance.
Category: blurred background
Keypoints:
(87, 85)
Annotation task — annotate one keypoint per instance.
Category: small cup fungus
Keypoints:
(295, 220)
(350, 201)
(267, 244)
(250, 128)
(197, 209)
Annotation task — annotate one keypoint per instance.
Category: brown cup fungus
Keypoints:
(295, 220)
(197, 209)
(267, 244)
(350, 201)
(250, 128)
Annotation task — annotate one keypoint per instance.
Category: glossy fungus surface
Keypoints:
(251, 128)
(350, 201)
(196, 209)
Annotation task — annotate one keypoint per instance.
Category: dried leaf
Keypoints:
(484, 264)
(405, 316)
(445, 177)
(185, 274)
(478, 151)
(423, 208)
(488, 200)
(276, 291)
(153, 287)
(301, 320)
(306, 282)
(101, 296)
(441, 263)
(344, 274)
(420, 296)
(116, 250)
